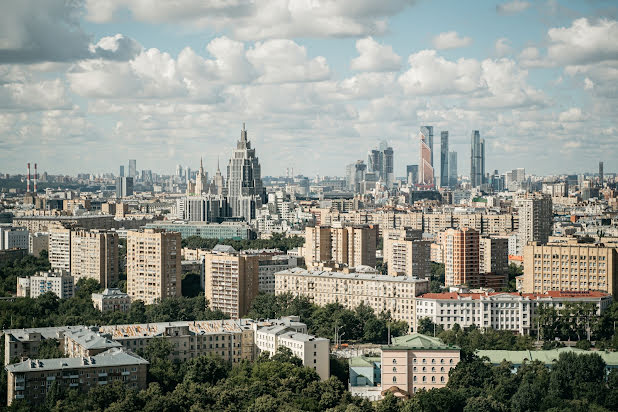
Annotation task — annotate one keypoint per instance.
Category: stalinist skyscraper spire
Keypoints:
(244, 182)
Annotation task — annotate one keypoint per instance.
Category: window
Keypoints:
(394, 369)
(394, 361)
(424, 379)
(394, 379)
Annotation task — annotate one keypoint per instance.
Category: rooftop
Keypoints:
(89, 339)
(547, 357)
(592, 294)
(352, 276)
(111, 357)
(366, 361)
(418, 341)
(111, 292)
(158, 329)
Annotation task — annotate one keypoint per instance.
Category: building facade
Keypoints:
(225, 230)
(477, 159)
(94, 255)
(406, 254)
(111, 300)
(153, 265)
(13, 238)
(535, 219)
(493, 254)
(461, 257)
(426, 170)
(444, 159)
(349, 245)
(60, 282)
(60, 248)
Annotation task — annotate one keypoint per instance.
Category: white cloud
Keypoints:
(574, 114)
(450, 40)
(583, 42)
(375, 57)
(512, 7)
(247, 20)
(588, 84)
(502, 47)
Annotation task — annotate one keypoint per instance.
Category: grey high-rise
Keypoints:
(121, 171)
(355, 174)
(381, 162)
(244, 182)
(444, 182)
(412, 174)
(452, 169)
(132, 168)
(477, 159)
(601, 174)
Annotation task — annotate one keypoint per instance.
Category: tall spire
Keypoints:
(218, 170)
(201, 164)
(243, 134)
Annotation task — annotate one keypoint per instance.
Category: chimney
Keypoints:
(35, 177)
(28, 181)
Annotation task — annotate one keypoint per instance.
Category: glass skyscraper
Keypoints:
(444, 159)
(477, 159)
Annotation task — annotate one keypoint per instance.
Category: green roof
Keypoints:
(420, 342)
(366, 361)
(547, 357)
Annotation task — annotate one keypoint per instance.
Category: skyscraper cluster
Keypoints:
(381, 162)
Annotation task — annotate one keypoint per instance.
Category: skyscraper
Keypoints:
(444, 159)
(132, 168)
(601, 174)
(452, 169)
(477, 159)
(124, 187)
(461, 257)
(412, 174)
(426, 157)
(381, 161)
(355, 173)
(244, 182)
(121, 171)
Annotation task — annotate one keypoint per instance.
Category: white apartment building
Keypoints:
(60, 248)
(60, 282)
(291, 334)
(111, 300)
(380, 292)
(499, 311)
(13, 237)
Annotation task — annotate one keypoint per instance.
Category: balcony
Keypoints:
(126, 373)
(20, 387)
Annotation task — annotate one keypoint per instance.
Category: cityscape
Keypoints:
(255, 226)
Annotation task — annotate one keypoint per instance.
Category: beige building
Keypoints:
(231, 281)
(342, 245)
(414, 362)
(380, 292)
(535, 219)
(461, 257)
(38, 242)
(60, 282)
(153, 265)
(31, 379)
(406, 254)
(573, 267)
(94, 254)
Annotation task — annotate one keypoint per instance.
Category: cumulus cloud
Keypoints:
(247, 20)
(502, 47)
(34, 31)
(584, 42)
(574, 114)
(512, 7)
(450, 40)
(375, 57)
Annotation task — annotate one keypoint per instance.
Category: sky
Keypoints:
(86, 85)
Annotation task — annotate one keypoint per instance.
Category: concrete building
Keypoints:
(493, 255)
(452, 169)
(59, 281)
(444, 159)
(477, 159)
(268, 266)
(406, 254)
(85, 342)
(312, 350)
(37, 242)
(13, 237)
(500, 311)
(111, 300)
(341, 245)
(366, 377)
(124, 187)
(414, 362)
(225, 230)
(94, 255)
(153, 265)
(535, 219)
(31, 379)
(380, 292)
(60, 248)
(45, 222)
(203, 208)
(461, 257)
(573, 267)
(231, 280)
(426, 168)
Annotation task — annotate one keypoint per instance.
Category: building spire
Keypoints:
(201, 164)
(243, 134)
(218, 170)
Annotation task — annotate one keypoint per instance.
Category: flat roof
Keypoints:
(547, 357)
(592, 294)
(351, 276)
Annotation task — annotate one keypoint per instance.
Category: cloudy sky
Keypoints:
(86, 85)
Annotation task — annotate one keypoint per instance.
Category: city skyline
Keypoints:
(84, 86)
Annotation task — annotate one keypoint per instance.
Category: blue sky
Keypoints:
(89, 84)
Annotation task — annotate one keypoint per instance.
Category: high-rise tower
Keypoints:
(244, 181)
(477, 159)
(452, 169)
(600, 174)
(426, 157)
(132, 168)
(444, 159)
(381, 162)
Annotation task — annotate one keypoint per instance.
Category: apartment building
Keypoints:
(37, 242)
(44, 223)
(493, 255)
(268, 266)
(342, 245)
(60, 248)
(153, 265)
(86, 342)
(312, 350)
(59, 282)
(406, 254)
(13, 237)
(111, 300)
(231, 280)
(461, 257)
(535, 219)
(32, 379)
(94, 255)
(414, 362)
(500, 311)
(573, 267)
(380, 292)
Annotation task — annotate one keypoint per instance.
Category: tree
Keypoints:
(206, 369)
(284, 354)
(427, 327)
(50, 349)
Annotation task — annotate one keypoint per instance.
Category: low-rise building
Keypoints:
(13, 237)
(59, 281)
(501, 311)
(381, 292)
(85, 342)
(31, 379)
(225, 230)
(414, 362)
(366, 377)
(111, 300)
(268, 266)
